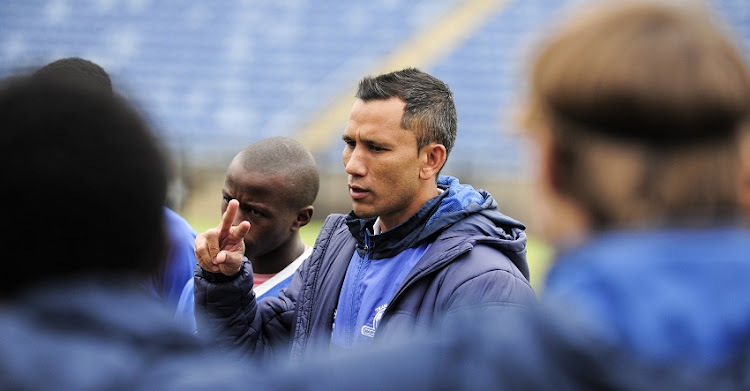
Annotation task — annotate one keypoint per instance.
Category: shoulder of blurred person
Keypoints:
(535, 350)
(86, 333)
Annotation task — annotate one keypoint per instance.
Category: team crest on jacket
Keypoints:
(369, 331)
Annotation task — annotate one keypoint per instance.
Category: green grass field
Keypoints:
(538, 254)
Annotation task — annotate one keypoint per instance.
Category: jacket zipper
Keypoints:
(409, 283)
(366, 249)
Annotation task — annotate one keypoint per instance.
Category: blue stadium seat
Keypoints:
(217, 76)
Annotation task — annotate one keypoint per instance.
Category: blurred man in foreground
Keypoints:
(83, 169)
(637, 110)
(167, 282)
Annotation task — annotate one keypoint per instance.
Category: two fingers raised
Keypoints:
(221, 249)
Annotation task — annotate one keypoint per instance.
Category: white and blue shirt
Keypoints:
(186, 306)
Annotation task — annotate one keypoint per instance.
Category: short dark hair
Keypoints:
(82, 169)
(430, 111)
(287, 157)
(76, 70)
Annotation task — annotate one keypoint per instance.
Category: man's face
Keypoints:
(262, 204)
(381, 162)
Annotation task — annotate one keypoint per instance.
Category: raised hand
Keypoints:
(220, 249)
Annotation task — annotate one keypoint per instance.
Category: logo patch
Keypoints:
(369, 331)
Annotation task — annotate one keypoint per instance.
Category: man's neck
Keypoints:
(276, 260)
(379, 227)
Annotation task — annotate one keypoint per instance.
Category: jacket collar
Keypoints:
(403, 236)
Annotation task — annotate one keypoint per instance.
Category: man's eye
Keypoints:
(351, 144)
(253, 212)
(376, 148)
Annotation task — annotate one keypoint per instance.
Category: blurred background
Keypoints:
(213, 77)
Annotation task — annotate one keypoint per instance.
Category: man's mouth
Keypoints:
(357, 192)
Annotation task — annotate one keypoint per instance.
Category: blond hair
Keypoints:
(644, 100)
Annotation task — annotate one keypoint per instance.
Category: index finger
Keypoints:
(228, 217)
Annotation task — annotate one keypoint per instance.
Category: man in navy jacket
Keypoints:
(416, 249)
(636, 109)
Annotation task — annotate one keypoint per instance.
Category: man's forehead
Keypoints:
(378, 135)
(255, 179)
(391, 108)
(375, 116)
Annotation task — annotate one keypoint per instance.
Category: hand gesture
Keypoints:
(220, 249)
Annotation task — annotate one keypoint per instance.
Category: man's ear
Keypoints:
(743, 195)
(548, 174)
(304, 216)
(558, 219)
(433, 157)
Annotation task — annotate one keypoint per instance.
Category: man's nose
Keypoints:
(354, 163)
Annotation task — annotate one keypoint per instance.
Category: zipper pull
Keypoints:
(366, 247)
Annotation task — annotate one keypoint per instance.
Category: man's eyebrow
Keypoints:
(367, 141)
(378, 142)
